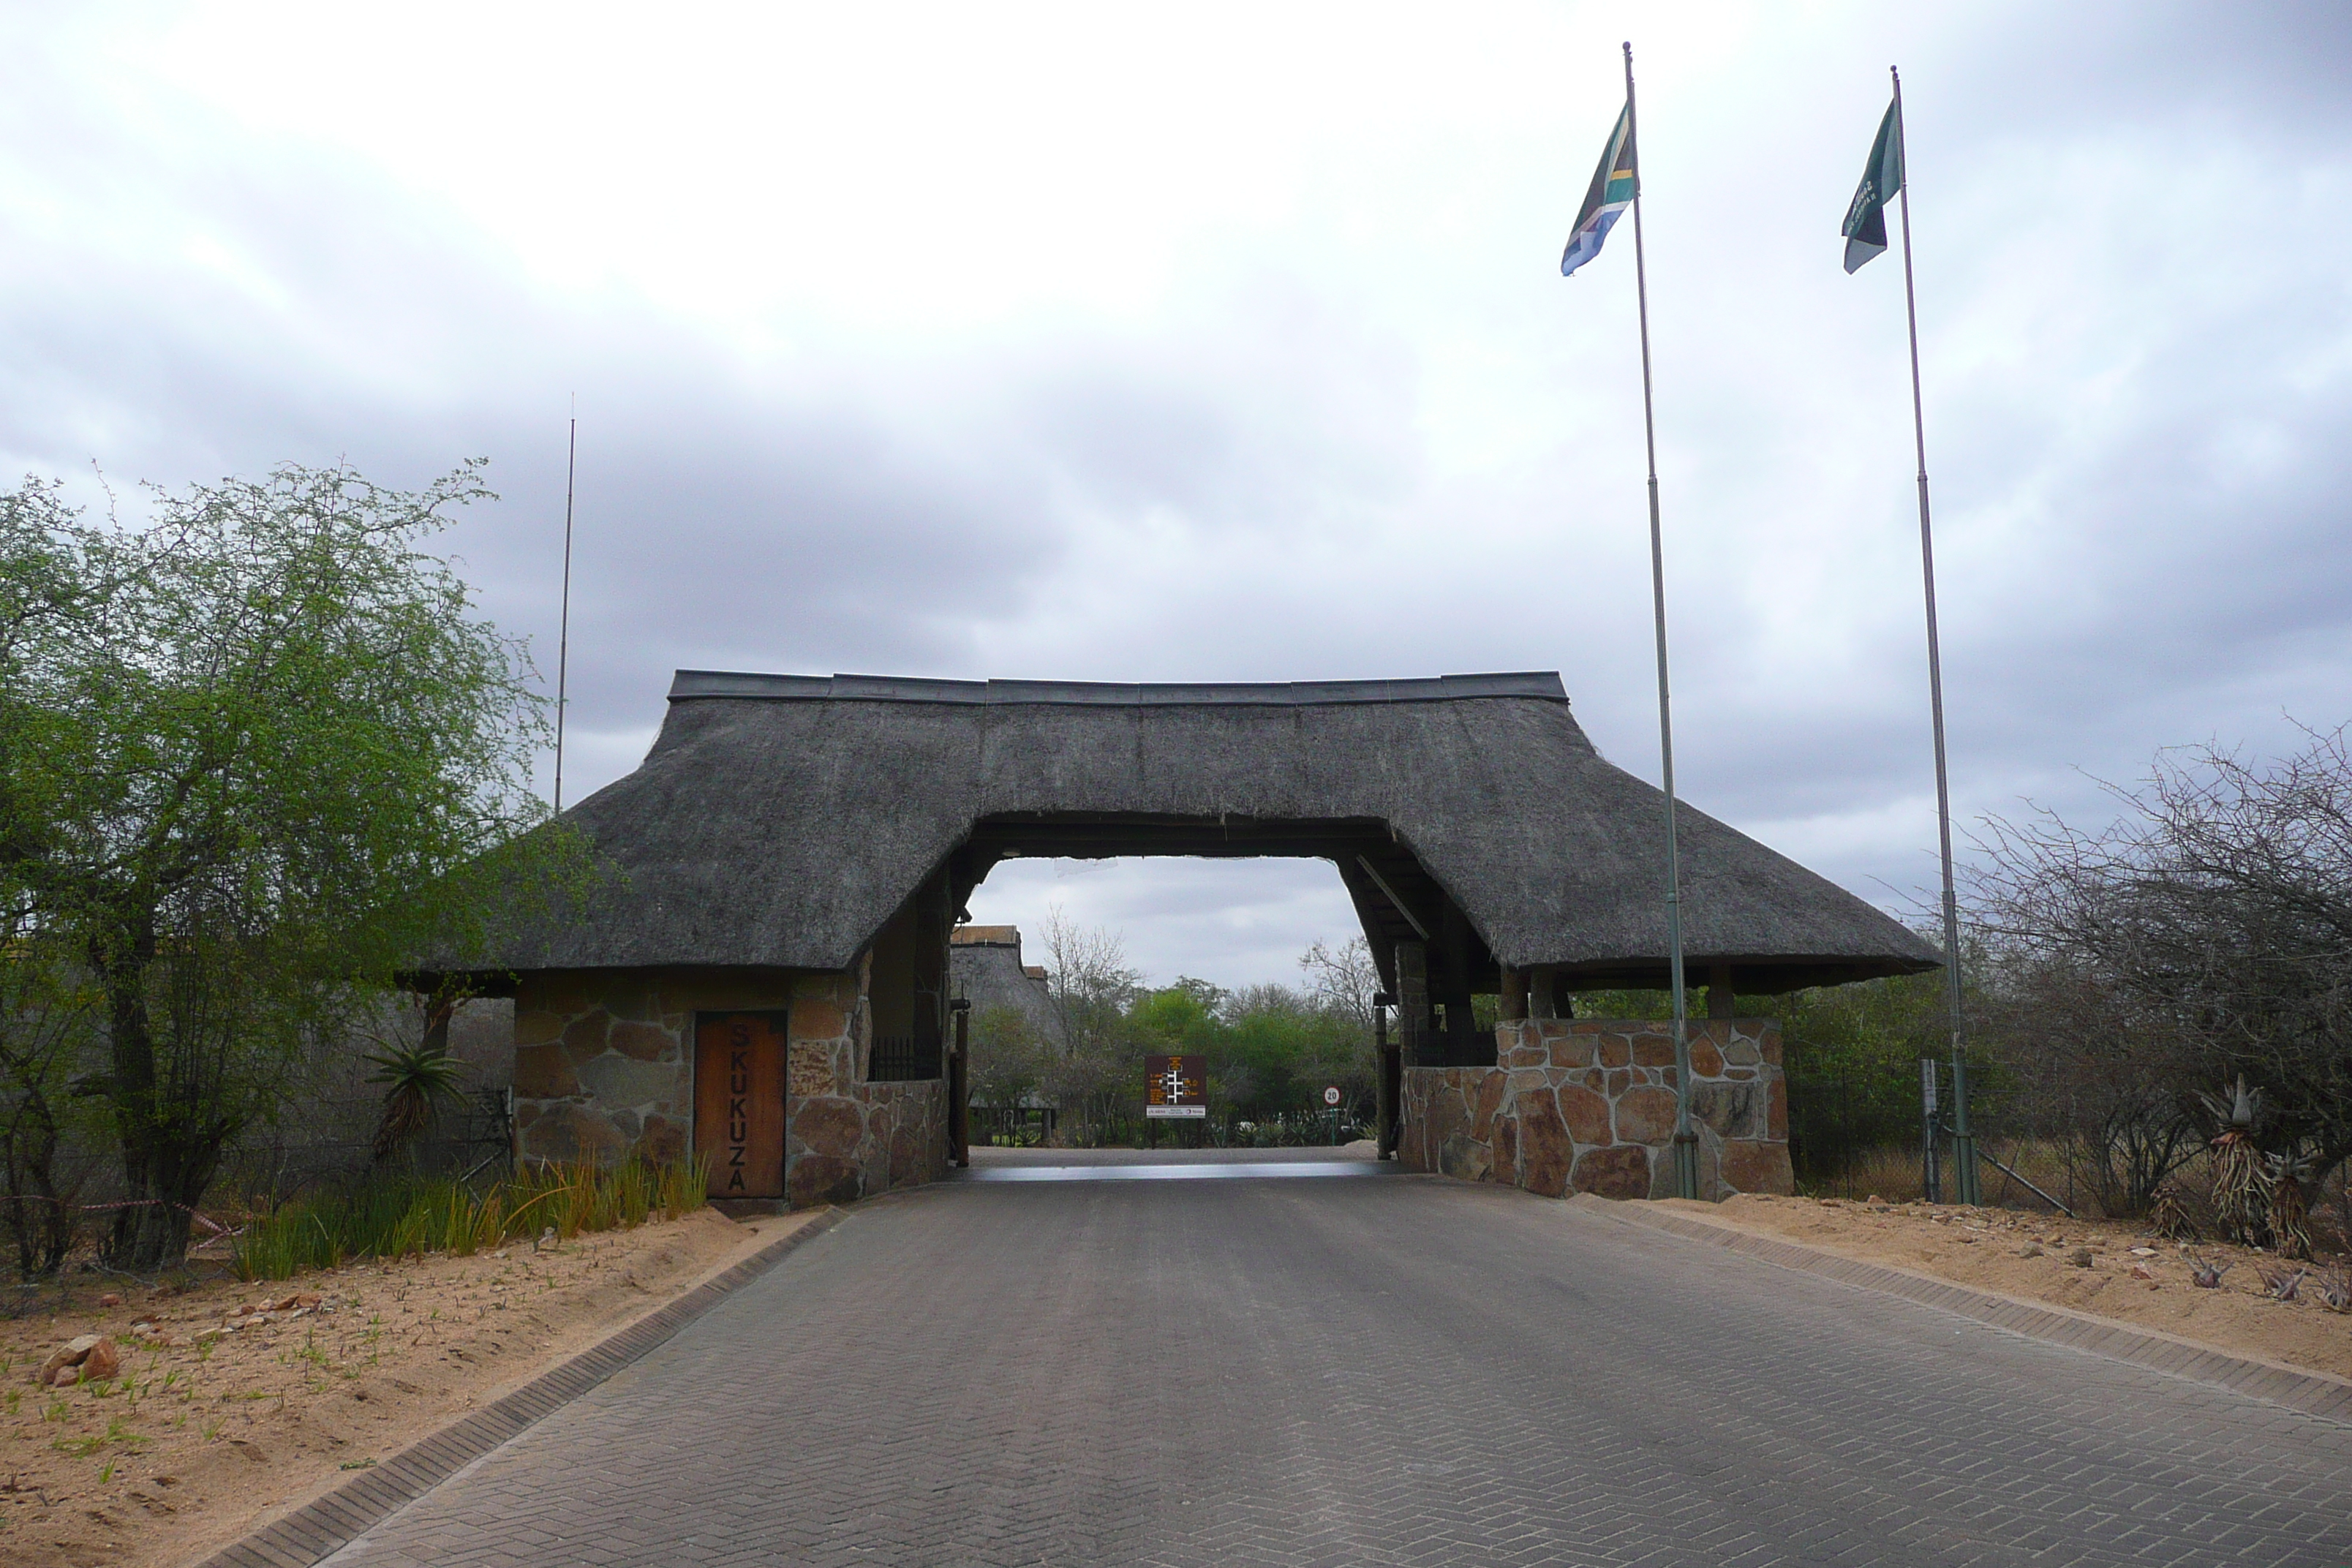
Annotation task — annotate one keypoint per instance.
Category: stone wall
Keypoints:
(604, 1069)
(1588, 1106)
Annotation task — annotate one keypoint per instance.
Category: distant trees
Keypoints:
(253, 758)
(1009, 1058)
(1271, 1049)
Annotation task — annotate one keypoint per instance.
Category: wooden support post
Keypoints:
(1720, 1002)
(1390, 1117)
(959, 1087)
(1511, 1005)
(1543, 994)
(1415, 1040)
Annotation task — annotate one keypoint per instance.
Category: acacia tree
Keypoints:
(1090, 1072)
(263, 753)
(2214, 918)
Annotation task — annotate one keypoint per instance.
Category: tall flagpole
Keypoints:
(563, 626)
(1964, 1145)
(1686, 1136)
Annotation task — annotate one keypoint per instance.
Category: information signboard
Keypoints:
(1175, 1086)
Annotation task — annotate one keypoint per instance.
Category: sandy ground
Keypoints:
(210, 1431)
(2132, 1276)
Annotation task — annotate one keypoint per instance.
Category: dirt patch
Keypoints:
(2109, 1269)
(209, 1429)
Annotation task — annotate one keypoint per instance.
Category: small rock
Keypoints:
(103, 1362)
(1873, 1199)
(2142, 1271)
(66, 1377)
(2081, 1258)
(2143, 1252)
(70, 1354)
(2030, 1249)
(110, 1300)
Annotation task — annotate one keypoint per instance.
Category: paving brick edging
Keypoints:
(333, 1520)
(2314, 1393)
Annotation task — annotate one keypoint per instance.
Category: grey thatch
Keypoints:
(781, 820)
(984, 968)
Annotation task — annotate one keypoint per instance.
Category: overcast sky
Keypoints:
(1230, 344)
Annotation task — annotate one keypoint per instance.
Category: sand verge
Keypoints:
(2111, 1270)
(212, 1430)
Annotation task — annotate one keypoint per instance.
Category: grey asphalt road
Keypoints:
(1319, 1369)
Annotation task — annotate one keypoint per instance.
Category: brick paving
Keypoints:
(1390, 1371)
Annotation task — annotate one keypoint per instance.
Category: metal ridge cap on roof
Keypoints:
(690, 684)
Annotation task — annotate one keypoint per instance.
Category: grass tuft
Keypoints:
(402, 1216)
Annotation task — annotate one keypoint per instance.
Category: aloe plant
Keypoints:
(417, 1079)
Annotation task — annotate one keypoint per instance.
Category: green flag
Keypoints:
(1865, 220)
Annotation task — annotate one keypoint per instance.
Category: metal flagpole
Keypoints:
(1685, 1135)
(1965, 1188)
(563, 626)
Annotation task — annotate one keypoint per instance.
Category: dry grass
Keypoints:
(1894, 1175)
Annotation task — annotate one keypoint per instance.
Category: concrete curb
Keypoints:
(332, 1520)
(2313, 1393)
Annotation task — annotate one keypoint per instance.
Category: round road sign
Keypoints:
(1331, 1097)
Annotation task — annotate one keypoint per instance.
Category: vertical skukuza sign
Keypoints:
(1175, 1086)
(739, 1102)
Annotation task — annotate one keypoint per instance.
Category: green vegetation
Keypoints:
(254, 757)
(417, 1077)
(1272, 1049)
(401, 1216)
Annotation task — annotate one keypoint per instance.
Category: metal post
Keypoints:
(1685, 1135)
(1931, 1180)
(959, 1086)
(1965, 1187)
(564, 621)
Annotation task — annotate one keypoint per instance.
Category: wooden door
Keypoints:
(739, 1102)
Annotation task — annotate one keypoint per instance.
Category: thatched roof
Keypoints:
(781, 820)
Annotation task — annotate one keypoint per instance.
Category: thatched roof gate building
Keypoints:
(795, 850)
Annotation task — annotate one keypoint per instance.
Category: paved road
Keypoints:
(1385, 1370)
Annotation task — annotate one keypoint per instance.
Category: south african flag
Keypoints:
(1614, 185)
(1865, 216)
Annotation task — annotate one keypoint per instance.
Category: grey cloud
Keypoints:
(1244, 487)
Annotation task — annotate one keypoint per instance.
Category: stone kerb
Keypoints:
(1588, 1106)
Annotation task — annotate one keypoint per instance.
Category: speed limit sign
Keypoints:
(1331, 1097)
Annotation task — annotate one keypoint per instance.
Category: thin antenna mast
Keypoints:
(564, 625)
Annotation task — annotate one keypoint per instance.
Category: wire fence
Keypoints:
(471, 1142)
